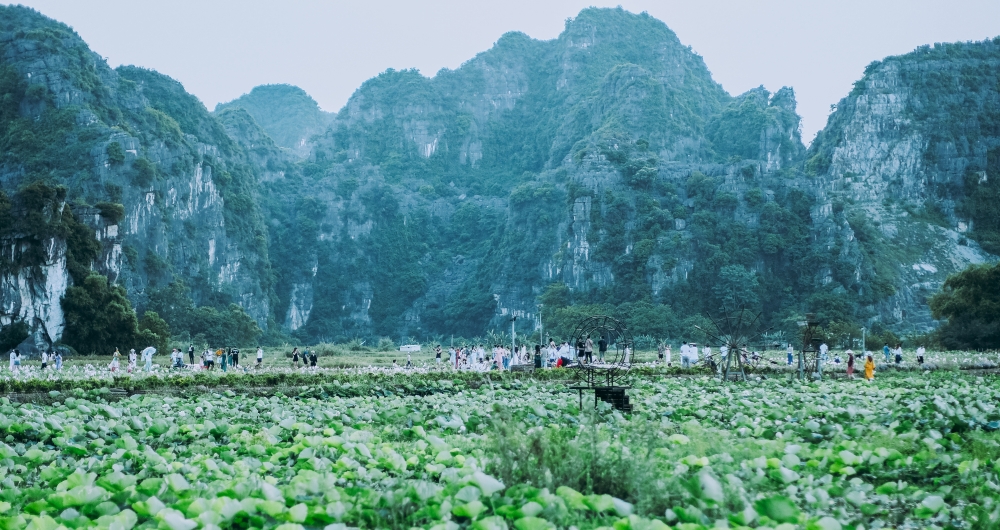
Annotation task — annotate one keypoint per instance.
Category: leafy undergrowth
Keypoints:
(905, 451)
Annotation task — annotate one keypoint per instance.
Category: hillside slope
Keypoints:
(607, 160)
(131, 137)
(909, 166)
(285, 112)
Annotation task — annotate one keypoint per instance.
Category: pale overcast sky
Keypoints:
(221, 49)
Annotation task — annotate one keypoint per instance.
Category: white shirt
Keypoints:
(45, 357)
(684, 351)
(260, 353)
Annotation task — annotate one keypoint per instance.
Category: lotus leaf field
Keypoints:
(910, 450)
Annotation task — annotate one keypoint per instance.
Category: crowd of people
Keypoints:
(504, 357)
(50, 360)
(689, 353)
(584, 351)
(223, 358)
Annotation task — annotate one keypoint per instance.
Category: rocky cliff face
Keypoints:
(436, 205)
(906, 156)
(131, 137)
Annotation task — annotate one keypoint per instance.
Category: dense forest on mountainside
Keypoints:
(601, 171)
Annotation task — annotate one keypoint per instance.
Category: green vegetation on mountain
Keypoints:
(285, 112)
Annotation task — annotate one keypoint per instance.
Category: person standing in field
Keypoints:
(223, 358)
(588, 350)
(114, 361)
(260, 357)
(685, 356)
(131, 361)
(295, 357)
(887, 352)
(920, 355)
(850, 364)
(313, 359)
(58, 360)
(602, 348)
(667, 354)
(209, 359)
(236, 357)
(45, 360)
(791, 354)
(869, 369)
(191, 354)
(693, 353)
(899, 354)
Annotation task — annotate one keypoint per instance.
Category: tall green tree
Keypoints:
(970, 302)
(99, 317)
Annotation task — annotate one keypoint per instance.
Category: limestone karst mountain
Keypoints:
(601, 168)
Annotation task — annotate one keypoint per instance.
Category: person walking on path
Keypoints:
(887, 352)
(58, 360)
(295, 357)
(869, 369)
(313, 359)
(850, 364)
